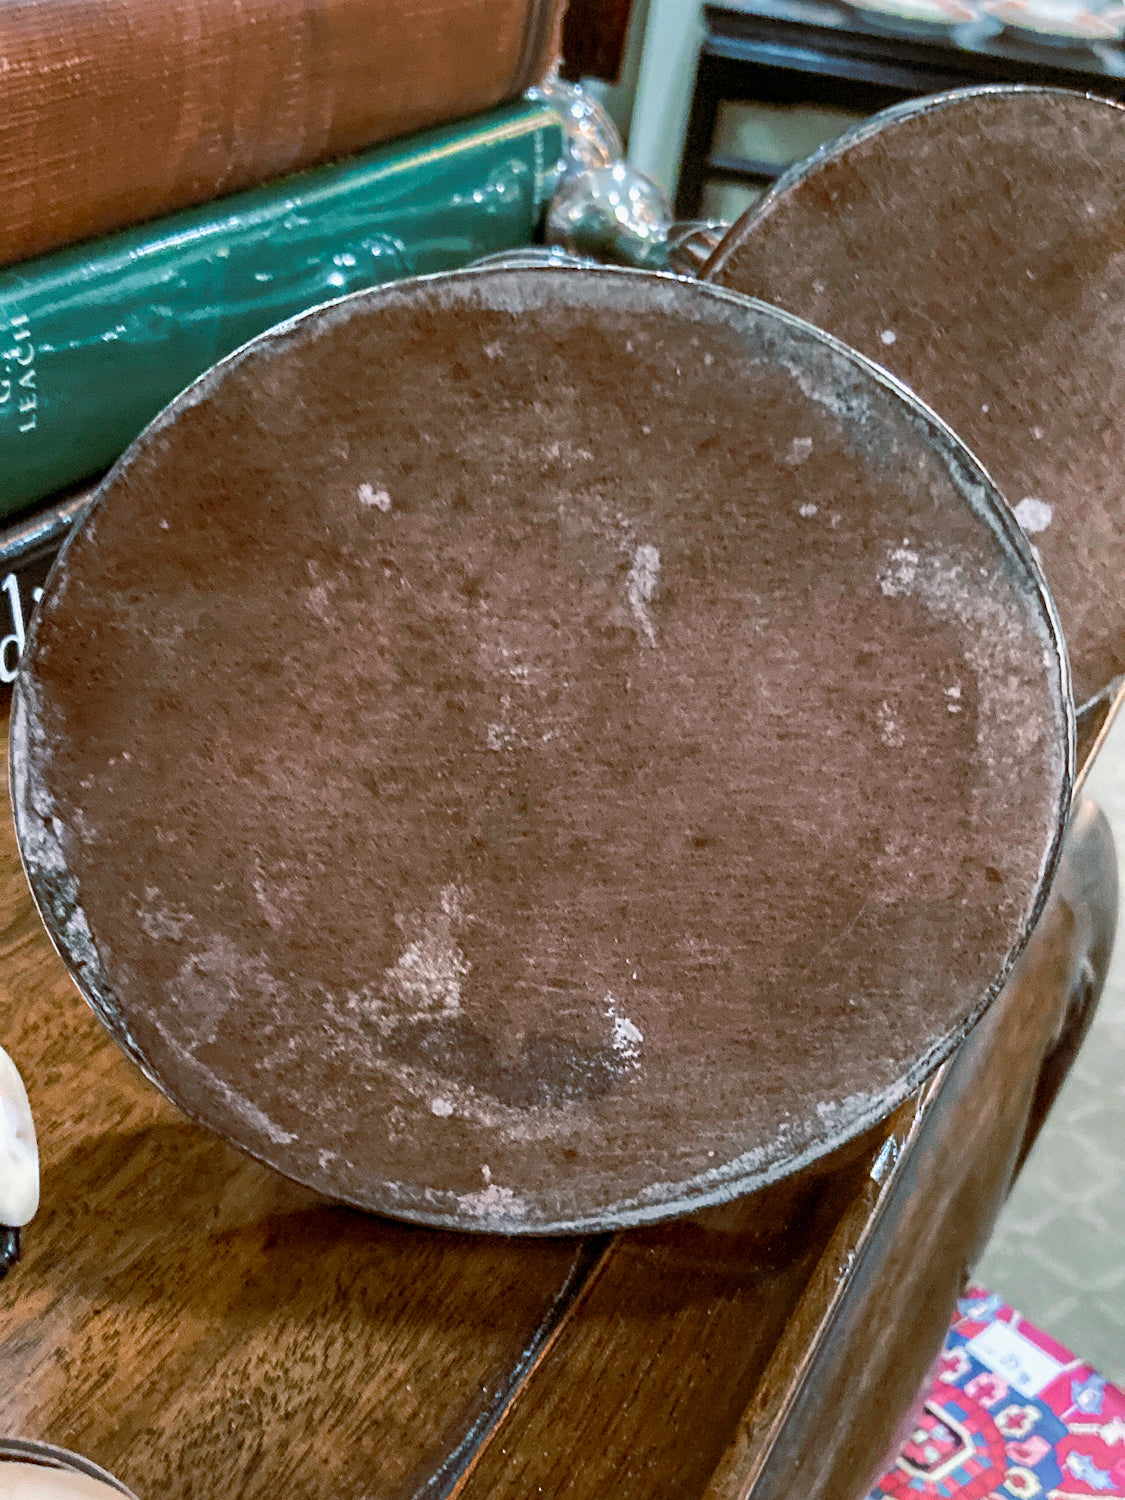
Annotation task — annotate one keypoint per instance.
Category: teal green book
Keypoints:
(97, 338)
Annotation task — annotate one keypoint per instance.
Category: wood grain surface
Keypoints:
(645, 1384)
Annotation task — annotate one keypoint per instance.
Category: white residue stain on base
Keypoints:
(256, 1118)
(888, 337)
(799, 450)
(244, 1108)
(159, 920)
(499, 737)
(1034, 515)
(901, 570)
(370, 496)
(808, 510)
(443, 1108)
(626, 1037)
(641, 585)
(994, 630)
(492, 1202)
(426, 978)
(319, 603)
(836, 1115)
(889, 731)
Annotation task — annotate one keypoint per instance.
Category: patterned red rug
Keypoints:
(1011, 1415)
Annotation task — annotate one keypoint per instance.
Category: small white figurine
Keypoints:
(26, 1481)
(19, 1162)
(34, 1470)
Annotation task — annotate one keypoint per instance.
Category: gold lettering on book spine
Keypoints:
(19, 367)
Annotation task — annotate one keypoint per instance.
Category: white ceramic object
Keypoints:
(30, 1481)
(938, 13)
(19, 1153)
(33, 1470)
(1059, 19)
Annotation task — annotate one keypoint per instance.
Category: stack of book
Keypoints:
(181, 174)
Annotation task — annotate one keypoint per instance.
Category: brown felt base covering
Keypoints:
(540, 748)
(973, 246)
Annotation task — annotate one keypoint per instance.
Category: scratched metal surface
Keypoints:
(542, 749)
(972, 243)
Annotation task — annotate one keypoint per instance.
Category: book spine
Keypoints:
(116, 113)
(95, 340)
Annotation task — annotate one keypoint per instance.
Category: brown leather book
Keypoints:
(116, 111)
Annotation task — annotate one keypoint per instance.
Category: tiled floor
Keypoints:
(1058, 1253)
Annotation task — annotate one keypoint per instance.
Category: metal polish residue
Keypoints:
(451, 920)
